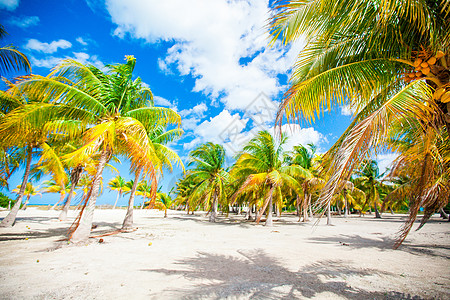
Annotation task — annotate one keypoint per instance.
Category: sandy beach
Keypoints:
(186, 257)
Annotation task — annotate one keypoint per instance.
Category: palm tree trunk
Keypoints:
(305, 208)
(24, 207)
(61, 198)
(443, 214)
(338, 208)
(329, 214)
(83, 230)
(143, 202)
(269, 221)
(74, 178)
(297, 207)
(377, 213)
(165, 212)
(117, 199)
(309, 206)
(128, 221)
(213, 214)
(346, 205)
(10, 219)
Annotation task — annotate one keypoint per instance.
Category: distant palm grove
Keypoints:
(387, 60)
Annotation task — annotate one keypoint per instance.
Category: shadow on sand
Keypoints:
(255, 275)
(383, 243)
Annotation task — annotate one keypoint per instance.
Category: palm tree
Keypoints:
(11, 58)
(163, 158)
(369, 180)
(117, 184)
(308, 160)
(51, 186)
(262, 166)
(209, 176)
(118, 109)
(144, 189)
(389, 62)
(30, 190)
(163, 202)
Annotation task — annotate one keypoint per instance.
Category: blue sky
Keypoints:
(207, 59)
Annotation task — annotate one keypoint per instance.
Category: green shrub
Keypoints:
(4, 200)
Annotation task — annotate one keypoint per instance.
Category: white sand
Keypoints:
(190, 258)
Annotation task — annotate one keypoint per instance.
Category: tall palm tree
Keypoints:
(209, 176)
(30, 190)
(11, 59)
(117, 184)
(262, 166)
(389, 62)
(118, 110)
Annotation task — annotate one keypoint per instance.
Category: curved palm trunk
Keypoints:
(61, 198)
(297, 207)
(128, 221)
(24, 207)
(74, 177)
(82, 232)
(165, 212)
(117, 199)
(213, 214)
(338, 208)
(377, 213)
(329, 214)
(10, 219)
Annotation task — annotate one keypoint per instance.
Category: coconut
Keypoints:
(417, 62)
(431, 61)
(419, 74)
(418, 68)
(426, 71)
(439, 54)
(412, 75)
(424, 65)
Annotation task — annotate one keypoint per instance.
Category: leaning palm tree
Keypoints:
(30, 190)
(163, 158)
(51, 186)
(262, 166)
(209, 176)
(144, 189)
(117, 184)
(389, 62)
(12, 59)
(118, 110)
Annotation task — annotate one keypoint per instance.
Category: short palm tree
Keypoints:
(209, 176)
(30, 190)
(144, 189)
(117, 184)
(389, 62)
(163, 202)
(262, 166)
(368, 179)
(51, 186)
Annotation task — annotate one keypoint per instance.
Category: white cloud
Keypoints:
(9, 4)
(81, 41)
(160, 101)
(51, 61)
(347, 110)
(225, 129)
(304, 136)
(212, 39)
(52, 47)
(385, 161)
(23, 21)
